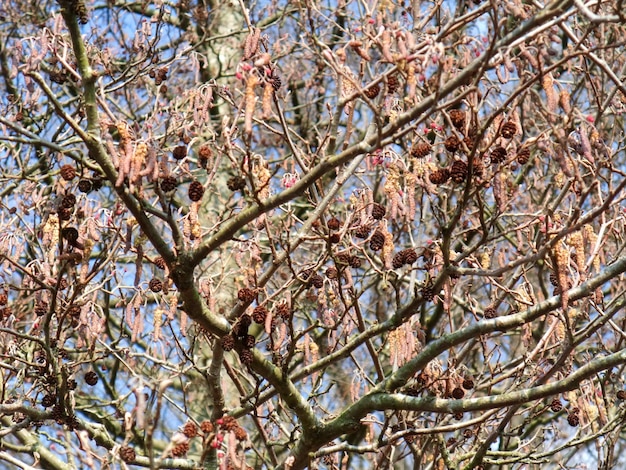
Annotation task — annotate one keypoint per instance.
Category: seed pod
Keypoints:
(68, 172)
(452, 143)
(196, 190)
(421, 150)
(457, 116)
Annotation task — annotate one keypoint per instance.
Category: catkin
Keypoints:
(548, 86)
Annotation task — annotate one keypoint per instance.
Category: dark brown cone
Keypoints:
(468, 384)
(179, 152)
(378, 211)
(439, 176)
(556, 405)
(227, 342)
(127, 454)
(573, 419)
(236, 183)
(377, 241)
(409, 255)
(457, 116)
(159, 262)
(91, 378)
(316, 281)
(68, 201)
(85, 185)
(458, 393)
(490, 312)
(392, 84)
(458, 171)
(498, 155)
(420, 150)
(333, 223)
(362, 231)
(354, 262)
(452, 143)
(259, 314)
(168, 184)
(331, 273)
(397, 261)
(70, 234)
(372, 92)
(181, 449)
(190, 430)
(428, 293)
(246, 356)
(248, 341)
(246, 295)
(68, 172)
(621, 395)
(196, 191)
(509, 129)
(155, 285)
(523, 155)
(283, 310)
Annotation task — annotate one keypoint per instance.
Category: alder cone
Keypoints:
(85, 185)
(246, 295)
(236, 183)
(179, 152)
(372, 92)
(392, 84)
(196, 191)
(409, 255)
(333, 223)
(362, 231)
(377, 241)
(354, 262)
(458, 171)
(439, 176)
(428, 293)
(70, 234)
(127, 454)
(573, 419)
(68, 172)
(207, 426)
(397, 261)
(240, 433)
(155, 285)
(159, 262)
(490, 312)
(190, 430)
(523, 155)
(246, 357)
(227, 342)
(498, 155)
(168, 184)
(468, 384)
(556, 405)
(421, 150)
(509, 129)
(378, 211)
(248, 341)
(181, 449)
(458, 393)
(316, 281)
(457, 116)
(91, 378)
(259, 314)
(621, 395)
(452, 143)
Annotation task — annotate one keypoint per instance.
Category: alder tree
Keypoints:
(305, 234)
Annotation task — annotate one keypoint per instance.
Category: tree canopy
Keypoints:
(308, 234)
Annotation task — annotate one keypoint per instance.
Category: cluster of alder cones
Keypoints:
(458, 170)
